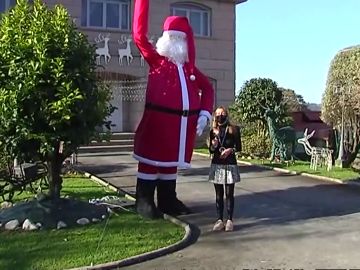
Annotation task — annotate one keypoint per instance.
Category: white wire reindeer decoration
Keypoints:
(319, 156)
(125, 52)
(103, 51)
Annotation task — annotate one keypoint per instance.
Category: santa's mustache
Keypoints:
(173, 48)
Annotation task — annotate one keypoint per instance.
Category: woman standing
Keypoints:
(225, 141)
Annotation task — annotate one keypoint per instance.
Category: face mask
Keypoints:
(221, 119)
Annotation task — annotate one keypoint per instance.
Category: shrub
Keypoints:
(50, 97)
(258, 145)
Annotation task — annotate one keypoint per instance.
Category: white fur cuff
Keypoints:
(205, 113)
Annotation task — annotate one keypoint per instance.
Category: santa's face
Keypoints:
(174, 47)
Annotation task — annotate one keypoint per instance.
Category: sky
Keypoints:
(293, 41)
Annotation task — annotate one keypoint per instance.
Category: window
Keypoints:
(198, 16)
(6, 4)
(106, 14)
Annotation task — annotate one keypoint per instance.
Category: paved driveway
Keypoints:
(281, 221)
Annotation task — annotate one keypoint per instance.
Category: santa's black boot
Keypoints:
(163, 198)
(168, 203)
(145, 205)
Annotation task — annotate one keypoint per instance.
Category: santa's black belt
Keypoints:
(172, 111)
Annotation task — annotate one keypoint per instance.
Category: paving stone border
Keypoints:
(184, 242)
(350, 182)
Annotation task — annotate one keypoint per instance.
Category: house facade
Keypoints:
(107, 23)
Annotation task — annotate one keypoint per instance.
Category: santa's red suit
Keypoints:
(176, 96)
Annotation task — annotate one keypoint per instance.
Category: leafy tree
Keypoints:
(256, 95)
(342, 98)
(249, 111)
(292, 101)
(50, 98)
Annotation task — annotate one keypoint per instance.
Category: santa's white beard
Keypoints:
(174, 48)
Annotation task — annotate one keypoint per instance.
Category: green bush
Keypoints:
(258, 145)
(4, 160)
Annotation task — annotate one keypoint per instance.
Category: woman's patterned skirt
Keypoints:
(224, 174)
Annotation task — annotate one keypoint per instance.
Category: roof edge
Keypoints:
(240, 1)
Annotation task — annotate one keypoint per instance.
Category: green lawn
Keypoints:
(301, 167)
(304, 167)
(126, 234)
(202, 150)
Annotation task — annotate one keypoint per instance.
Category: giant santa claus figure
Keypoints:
(178, 104)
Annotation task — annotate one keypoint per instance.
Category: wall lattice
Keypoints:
(130, 91)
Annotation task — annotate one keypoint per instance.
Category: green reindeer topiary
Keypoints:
(281, 138)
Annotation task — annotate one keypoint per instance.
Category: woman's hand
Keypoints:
(226, 153)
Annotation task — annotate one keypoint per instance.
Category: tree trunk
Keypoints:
(55, 180)
(352, 156)
(355, 143)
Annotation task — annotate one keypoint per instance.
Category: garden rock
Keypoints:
(94, 220)
(60, 225)
(83, 221)
(12, 225)
(29, 226)
(5, 205)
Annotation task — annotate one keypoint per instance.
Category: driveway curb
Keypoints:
(350, 182)
(185, 241)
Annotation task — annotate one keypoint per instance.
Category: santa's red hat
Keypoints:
(180, 25)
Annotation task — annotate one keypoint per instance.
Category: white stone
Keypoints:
(39, 225)
(12, 224)
(61, 224)
(29, 226)
(83, 221)
(110, 211)
(6, 205)
(103, 216)
(95, 220)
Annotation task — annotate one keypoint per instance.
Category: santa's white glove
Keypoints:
(201, 124)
